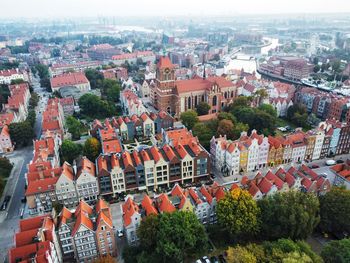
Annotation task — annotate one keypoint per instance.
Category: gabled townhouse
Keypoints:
(6, 145)
(131, 219)
(161, 168)
(65, 187)
(125, 129)
(36, 241)
(202, 201)
(40, 195)
(18, 101)
(86, 181)
(297, 141)
(86, 232)
(53, 118)
(131, 103)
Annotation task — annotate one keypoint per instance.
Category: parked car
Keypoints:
(120, 233)
(6, 202)
(330, 162)
(340, 161)
(314, 166)
(205, 259)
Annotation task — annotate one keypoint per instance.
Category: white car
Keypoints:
(120, 233)
(330, 162)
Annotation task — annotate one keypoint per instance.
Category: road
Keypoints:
(21, 159)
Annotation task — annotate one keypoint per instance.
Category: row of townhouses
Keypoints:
(324, 105)
(86, 232)
(131, 103)
(126, 129)
(180, 159)
(250, 153)
(15, 110)
(201, 201)
(44, 168)
(77, 235)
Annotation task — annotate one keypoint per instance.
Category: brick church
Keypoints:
(177, 96)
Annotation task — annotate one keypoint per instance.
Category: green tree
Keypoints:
(260, 95)
(204, 134)
(180, 235)
(269, 109)
(70, 151)
(21, 133)
(17, 81)
(240, 254)
(335, 211)
(238, 213)
(227, 116)
(92, 148)
(263, 123)
(175, 236)
(149, 228)
(5, 167)
(92, 106)
(238, 128)
(110, 90)
(74, 127)
(189, 118)
(95, 78)
(202, 108)
(43, 71)
(33, 101)
(225, 128)
(31, 117)
(336, 251)
(289, 215)
(4, 94)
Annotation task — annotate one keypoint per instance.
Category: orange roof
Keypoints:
(6, 119)
(105, 218)
(194, 196)
(64, 215)
(220, 194)
(170, 153)
(182, 136)
(31, 223)
(165, 205)
(156, 154)
(181, 150)
(87, 166)
(101, 205)
(111, 146)
(206, 194)
(264, 185)
(83, 207)
(127, 159)
(129, 208)
(5, 131)
(41, 186)
(82, 219)
(68, 79)
(137, 159)
(148, 206)
(164, 62)
(144, 155)
(67, 170)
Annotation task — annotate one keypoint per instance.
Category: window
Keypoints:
(103, 228)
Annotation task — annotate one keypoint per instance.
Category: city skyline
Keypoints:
(79, 8)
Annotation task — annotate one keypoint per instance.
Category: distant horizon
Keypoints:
(62, 9)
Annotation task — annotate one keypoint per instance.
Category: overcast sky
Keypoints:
(68, 8)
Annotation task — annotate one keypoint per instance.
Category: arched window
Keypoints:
(215, 100)
(168, 110)
(189, 106)
(225, 94)
(232, 94)
(195, 101)
(202, 97)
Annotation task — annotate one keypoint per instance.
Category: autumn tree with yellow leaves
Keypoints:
(238, 213)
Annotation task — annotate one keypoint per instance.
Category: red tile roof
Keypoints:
(164, 62)
(147, 204)
(68, 79)
(129, 208)
(41, 186)
(165, 205)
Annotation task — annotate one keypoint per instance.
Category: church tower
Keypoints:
(165, 98)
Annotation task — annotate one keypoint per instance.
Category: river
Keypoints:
(242, 60)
